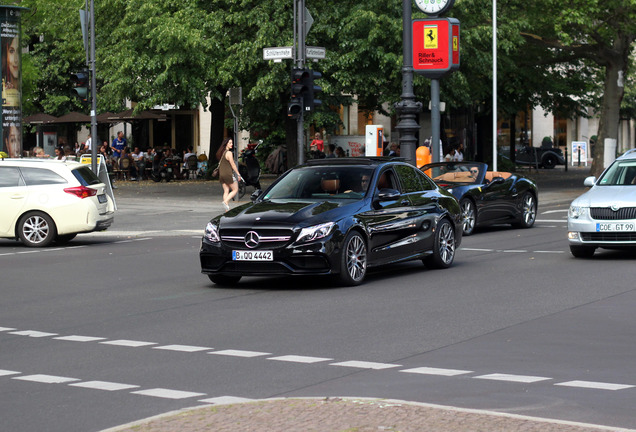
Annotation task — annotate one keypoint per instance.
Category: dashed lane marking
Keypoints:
(104, 385)
(595, 385)
(300, 359)
(182, 348)
(365, 365)
(436, 371)
(47, 379)
(240, 353)
(512, 378)
(167, 393)
(76, 338)
(128, 343)
(32, 333)
(225, 400)
(176, 394)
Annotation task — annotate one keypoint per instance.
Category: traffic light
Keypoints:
(294, 108)
(303, 91)
(311, 89)
(80, 85)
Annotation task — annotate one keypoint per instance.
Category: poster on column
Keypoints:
(10, 56)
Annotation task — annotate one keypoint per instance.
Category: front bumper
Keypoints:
(316, 258)
(587, 232)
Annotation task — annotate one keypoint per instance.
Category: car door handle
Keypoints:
(405, 202)
(17, 196)
(434, 198)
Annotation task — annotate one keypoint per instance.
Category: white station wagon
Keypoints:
(46, 201)
(605, 216)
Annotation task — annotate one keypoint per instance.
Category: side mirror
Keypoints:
(589, 181)
(388, 194)
(255, 195)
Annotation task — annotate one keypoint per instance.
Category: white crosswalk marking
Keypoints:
(6, 329)
(128, 343)
(47, 379)
(436, 371)
(595, 385)
(239, 353)
(104, 385)
(365, 365)
(4, 372)
(225, 400)
(167, 393)
(300, 359)
(183, 348)
(32, 333)
(76, 338)
(512, 378)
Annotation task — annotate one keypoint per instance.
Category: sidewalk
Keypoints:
(346, 414)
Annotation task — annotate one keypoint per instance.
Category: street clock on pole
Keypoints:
(434, 7)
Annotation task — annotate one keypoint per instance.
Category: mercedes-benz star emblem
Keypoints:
(252, 239)
(615, 207)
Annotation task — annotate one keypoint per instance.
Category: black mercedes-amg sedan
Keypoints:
(335, 217)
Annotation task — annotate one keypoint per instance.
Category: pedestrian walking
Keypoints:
(227, 168)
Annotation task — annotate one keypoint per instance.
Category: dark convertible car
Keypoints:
(487, 197)
(335, 217)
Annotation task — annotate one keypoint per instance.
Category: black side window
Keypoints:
(412, 179)
(9, 177)
(387, 181)
(41, 176)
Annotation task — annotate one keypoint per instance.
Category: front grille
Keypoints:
(256, 267)
(605, 213)
(609, 237)
(268, 238)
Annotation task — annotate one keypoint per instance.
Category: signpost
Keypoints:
(278, 53)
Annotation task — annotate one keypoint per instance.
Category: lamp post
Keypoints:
(407, 108)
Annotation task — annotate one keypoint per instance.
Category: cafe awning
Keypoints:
(39, 118)
(128, 116)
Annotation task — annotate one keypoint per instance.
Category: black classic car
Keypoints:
(542, 157)
(487, 197)
(335, 217)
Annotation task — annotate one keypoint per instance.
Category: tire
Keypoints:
(64, 239)
(582, 251)
(548, 161)
(353, 262)
(443, 246)
(36, 229)
(528, 211)
(469, 216)
(224, 280)
(242, 188)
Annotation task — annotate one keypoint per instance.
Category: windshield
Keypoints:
(621, 173)
(323, 182)
(455, 173)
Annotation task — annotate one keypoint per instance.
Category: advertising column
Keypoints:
(11, 74)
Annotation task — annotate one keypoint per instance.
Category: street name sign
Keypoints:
(315, 52)
(277, 53)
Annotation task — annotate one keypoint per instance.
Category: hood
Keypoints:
(605, 196)
(286, 213)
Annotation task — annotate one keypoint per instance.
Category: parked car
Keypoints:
(335, 217)
(544, 157)
(487, 197)
(605, 215)
(44, 201)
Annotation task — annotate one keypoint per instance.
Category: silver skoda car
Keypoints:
(605, 216)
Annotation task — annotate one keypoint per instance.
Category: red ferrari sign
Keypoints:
(435, 46)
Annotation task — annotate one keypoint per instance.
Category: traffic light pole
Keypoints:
(94, 140)
(299, 59)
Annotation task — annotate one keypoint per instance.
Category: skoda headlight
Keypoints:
(315, 232)
(576, 212)
(212, 232)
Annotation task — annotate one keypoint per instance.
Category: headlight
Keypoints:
(212, 232)
(315, 232)
(576, 212)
